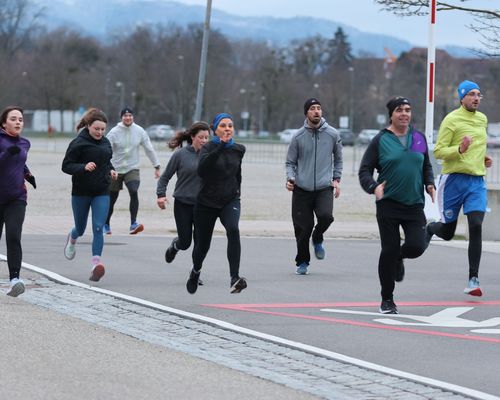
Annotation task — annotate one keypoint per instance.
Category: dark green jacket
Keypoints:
(406, 169)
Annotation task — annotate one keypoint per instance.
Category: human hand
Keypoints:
(114, 174)
(31, 180)
(488, 161)
(290, 185)
(162, 202)
(464, 145)
(336, 189)
(90, 166)
(157, 173)
(431, 191)
(13, 150)
(379, 191)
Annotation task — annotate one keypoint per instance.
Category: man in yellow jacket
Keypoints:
(461, 145)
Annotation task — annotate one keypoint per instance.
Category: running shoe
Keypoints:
(135, 228)
(400, 271)
(319, 251)
(193, 281)
(302, 269)
(388, 307)
(106, 229)
(69, 248)
(97, 273)
(473, 287)
(171, 252)
(238, 284)
(16, 287)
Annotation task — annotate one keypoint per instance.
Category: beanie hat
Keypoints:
(309, 103)
(125, 111)
(465, 87)
(395, 103)
(218, 118)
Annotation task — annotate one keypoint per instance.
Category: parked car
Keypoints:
(160, 132)
(493, 140)
(347, 137)
(287, 135)
(366, 135)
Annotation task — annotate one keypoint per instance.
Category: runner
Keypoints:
(88, 161)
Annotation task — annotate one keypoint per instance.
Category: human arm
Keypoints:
(368, 164)
(72, 164)
(150, 152)
(170, 170)
(291, 164)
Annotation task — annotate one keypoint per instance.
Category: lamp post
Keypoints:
(180, 116)
(121, 85)
(351, 107)
(261, 113)
(244, 113)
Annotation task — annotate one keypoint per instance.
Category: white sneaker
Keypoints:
(69, 249)
(16, 287)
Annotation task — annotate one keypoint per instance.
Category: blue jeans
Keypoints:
(81, 206)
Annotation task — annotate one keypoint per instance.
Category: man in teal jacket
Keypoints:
(461, 144)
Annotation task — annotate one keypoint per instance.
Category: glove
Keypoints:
(31, 179)
(13, 150)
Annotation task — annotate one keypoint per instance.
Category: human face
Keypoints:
(472, 100)
(97, 129)
(14, 123)
(200, 139)
(314, 114)
(225, 129)
(401, 117)
(128, 119)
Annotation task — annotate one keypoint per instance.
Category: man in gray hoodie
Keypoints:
(313, 171)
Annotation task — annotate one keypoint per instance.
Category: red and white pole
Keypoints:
(431, 70)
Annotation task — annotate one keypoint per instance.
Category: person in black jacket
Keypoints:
(400, 155)
(88, 161)
(219, 197)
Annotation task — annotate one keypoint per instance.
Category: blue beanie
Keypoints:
(465, 87)
(218, 118)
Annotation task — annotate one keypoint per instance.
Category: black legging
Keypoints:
(204, 221)
(12, 215)
(184, 220)
(475, 222)
(390, 216)
(133, 188)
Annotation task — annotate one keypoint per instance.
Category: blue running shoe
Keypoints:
(473, 287)
(106, 229)
(319, 250)
(302, 269)
(135, 228)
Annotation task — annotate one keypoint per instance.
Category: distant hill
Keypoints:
(101, 18)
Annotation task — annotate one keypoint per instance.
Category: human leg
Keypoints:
(389, 254)
(323, 208)
(230, 217)
(303, 223)
(13, 219)
(184, 221)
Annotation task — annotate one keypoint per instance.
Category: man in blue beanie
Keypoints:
(461, 144)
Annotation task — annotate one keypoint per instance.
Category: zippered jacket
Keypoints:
(82, 150)
(314, 157)
(405, 169)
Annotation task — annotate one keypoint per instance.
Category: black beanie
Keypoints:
(309, 103)
(125, 111)
(395, 103)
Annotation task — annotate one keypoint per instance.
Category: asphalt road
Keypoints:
(440, 332)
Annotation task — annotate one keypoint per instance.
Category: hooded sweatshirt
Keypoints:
(314, 157)
(82, 150)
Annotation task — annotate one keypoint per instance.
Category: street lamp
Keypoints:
(180, 116)
(261, 113)
(121, 85)
(244, 113)
(351, 107)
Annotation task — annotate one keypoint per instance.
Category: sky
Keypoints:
(365, 15)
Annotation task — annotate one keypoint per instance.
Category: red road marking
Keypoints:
(262, 309)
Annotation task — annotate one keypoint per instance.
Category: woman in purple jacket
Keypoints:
(13, 194)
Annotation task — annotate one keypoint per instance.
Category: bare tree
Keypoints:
(18, 23)
(486, 22)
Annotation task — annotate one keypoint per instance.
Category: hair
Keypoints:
(6, 111)
(91, 115)
(188, 134)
